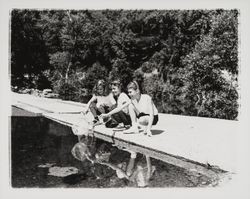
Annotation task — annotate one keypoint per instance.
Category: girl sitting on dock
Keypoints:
(141, 110)
(122, 115)
(101, 102)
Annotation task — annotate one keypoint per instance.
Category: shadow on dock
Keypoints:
(157, 132)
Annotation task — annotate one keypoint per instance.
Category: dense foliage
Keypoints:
(187, 60)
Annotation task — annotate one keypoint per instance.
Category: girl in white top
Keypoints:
(101, 101)
(141, 109)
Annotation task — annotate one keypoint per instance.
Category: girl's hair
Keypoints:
(103, 84)
(118, 83)
(133, 85)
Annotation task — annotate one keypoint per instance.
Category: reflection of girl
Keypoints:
(139, 174)
(101, 101)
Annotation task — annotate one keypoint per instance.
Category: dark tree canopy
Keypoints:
(29, 55)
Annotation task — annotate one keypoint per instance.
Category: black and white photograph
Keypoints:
(124, 98)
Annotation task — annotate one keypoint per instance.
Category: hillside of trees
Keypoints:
(187, 60)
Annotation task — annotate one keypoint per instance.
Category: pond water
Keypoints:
(41, 157)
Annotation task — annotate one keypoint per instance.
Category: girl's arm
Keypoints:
(116, 110)
(89, 102)
(114, 167)
(151, 115)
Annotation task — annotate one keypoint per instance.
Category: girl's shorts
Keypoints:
(155, 120)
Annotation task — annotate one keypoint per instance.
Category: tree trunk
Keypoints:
(68, 68)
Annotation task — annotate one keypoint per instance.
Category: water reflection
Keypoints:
(39, 145)
(134, 172)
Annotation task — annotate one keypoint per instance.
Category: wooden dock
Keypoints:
(194, 143)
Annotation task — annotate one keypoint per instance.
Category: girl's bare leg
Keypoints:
(149, 168)
(144, 122)
(131, 164)
(132, 114)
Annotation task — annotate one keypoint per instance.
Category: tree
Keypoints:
(28, 51)
(209, 94)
